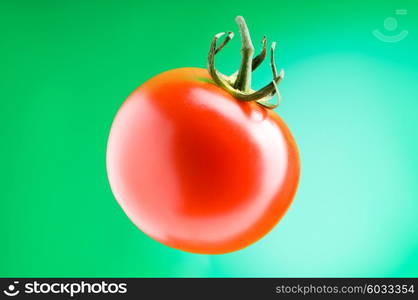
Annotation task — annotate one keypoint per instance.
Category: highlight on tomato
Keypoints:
(198, 160)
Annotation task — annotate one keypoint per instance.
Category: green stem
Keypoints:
(243, 82)
(239, 83)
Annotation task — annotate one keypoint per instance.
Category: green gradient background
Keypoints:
(350, 100)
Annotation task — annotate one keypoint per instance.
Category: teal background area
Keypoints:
(350, 100)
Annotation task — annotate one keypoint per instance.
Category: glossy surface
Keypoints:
(197, 170)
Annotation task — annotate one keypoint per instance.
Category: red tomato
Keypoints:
(198, 170)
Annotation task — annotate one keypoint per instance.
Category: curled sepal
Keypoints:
(275, 77)
(267, 103)
(229, 37)
(217, 77)
(260, 57)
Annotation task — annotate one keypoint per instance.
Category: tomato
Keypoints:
(197, 169)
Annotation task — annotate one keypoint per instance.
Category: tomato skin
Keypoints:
(198, 170)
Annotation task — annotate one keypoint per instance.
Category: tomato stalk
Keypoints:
(243, 82)
(239, 83)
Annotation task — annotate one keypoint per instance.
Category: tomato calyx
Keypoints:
(239, 83)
